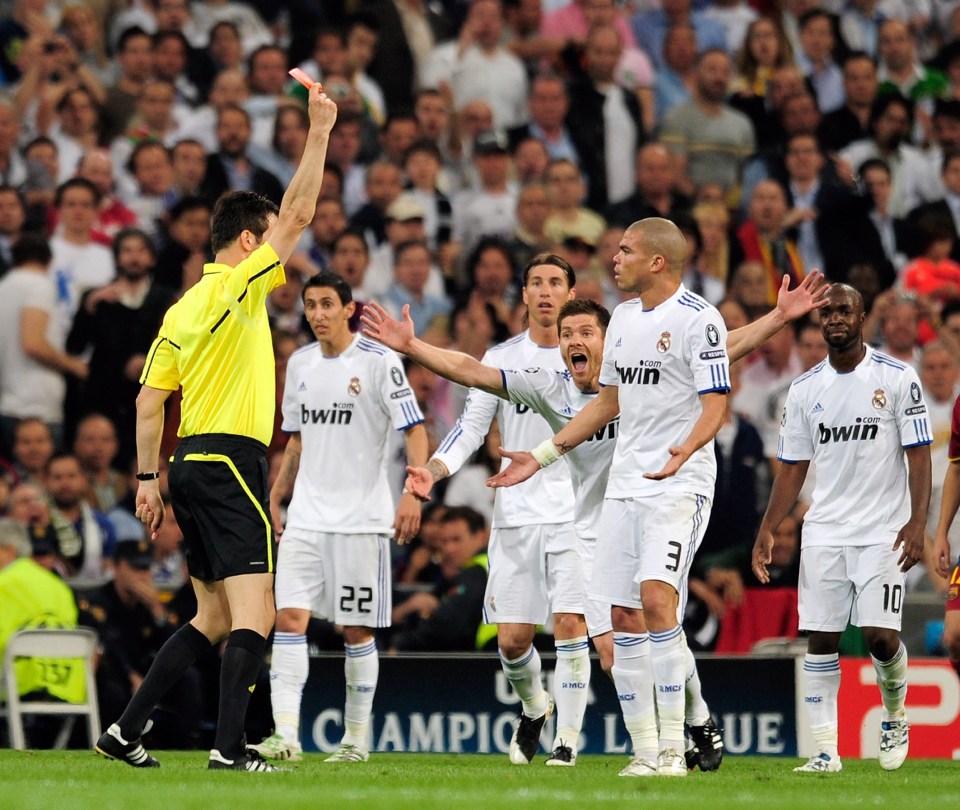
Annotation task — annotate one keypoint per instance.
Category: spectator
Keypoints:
(676, 79)
(945, 133)
(747, 294)
(112, 215)
(650, 28)
(132, 625)
(188, 159)
(77, 129)
(777, 365)
(605, 121)
(719, 253)
(886, 243)
(13, 214)
(549, 105)
(85, 538)
(225, 47)
(898, 316)
(362, 37)
(267, 79)
(134, 60)
(171, 55)
(851, 122)
(947, 209)
(765, 49)
(492, 278)
(343, 151)
(179, 263)
(451, 619)
(408, 32)
(95, 447)
(13, 168)
(85, 31)
(490, 210)
(32, 597)
(349, 259)
(40, 188)
(411, 272)
(153, 121)
(289, 140)
(329, 221)
(735, 16)
(397, 134)
(422, 164)
(815, 59)
(902, 72)
(529, 236)
(33, 360)
(765, 239)
(27, 505)
(568, 217)
(231, 168)
(229, 87)
(152, 195)
(383, 185)
(695, 278)
(33, 447)
(530, 161)
(708, 138)
(477, 66)
(254, 32)
(656, 194)
(115, 325)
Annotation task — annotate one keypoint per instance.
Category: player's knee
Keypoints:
(659, 605)
(568, 625)
(292, 621)
(514, 641)
(357, 635)
(627, 620)
(882, 643)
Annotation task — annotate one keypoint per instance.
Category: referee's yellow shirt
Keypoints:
(215, 343)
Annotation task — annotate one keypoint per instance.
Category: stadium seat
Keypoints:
(80, 643)
(764, 613)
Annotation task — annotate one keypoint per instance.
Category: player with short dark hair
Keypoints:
(342, 397)
(860, 417)
(215, 344)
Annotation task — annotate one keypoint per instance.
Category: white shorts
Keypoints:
(595, 611)
(534, 571)
(862, 584)
(650, 538)
(341, 577)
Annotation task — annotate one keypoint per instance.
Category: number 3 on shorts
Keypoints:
(362, 596)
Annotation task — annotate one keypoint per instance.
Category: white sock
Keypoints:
(571, 681)
(892, 680)
(633, 679)
(821, 677)
(361, 668)
(289, 667)
(696, 710)
(524, 675)
(668, 664)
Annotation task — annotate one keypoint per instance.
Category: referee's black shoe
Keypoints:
(112, 746)
(248, 761)
(709, 745)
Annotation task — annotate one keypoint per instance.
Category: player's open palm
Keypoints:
(677, 457)
(522, 466)
(419, 482)
(762, 555)
(810, 294)
(393, 334)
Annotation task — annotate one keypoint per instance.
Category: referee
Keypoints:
(215, 344)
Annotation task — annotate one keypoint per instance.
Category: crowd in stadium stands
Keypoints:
(781, 136)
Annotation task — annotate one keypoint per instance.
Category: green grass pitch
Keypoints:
(80, 779)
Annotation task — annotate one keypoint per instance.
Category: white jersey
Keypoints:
(854, 427)
(546, 498)
(662, 360)
(554, 395)
(344, 407)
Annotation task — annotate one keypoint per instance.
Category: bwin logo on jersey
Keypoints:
(638, 376)
(325, 416)
(864, 430)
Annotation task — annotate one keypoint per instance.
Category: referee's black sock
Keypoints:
(238, 676)
(176, 656)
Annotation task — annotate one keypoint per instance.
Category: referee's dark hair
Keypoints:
(31, 248)
(553, 260)
(236, 212)
(327, 279)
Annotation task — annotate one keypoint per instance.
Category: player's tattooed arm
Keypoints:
(420, 480)
(563, 447)
(286, 477)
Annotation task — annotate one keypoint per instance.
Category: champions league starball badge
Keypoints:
(663, 345)
(713, 335)
(879, 399)
(354, 388)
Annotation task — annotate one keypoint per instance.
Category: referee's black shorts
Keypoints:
(218, 484)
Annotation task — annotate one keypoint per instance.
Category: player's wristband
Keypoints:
(545, 453)
(150, 476)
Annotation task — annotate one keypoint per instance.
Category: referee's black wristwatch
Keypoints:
(150, 476)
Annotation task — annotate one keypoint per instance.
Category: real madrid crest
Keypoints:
(354, 388)
(879, 399)
(663, 345)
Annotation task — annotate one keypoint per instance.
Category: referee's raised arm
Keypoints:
(300, 199)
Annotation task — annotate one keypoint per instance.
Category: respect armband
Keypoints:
(545, 453)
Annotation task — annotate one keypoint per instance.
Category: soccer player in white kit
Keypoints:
(342, 397)
(558, 397)
(665, 371)
(535, 566)
(860, 417)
